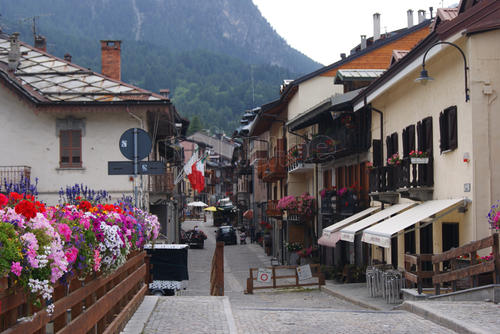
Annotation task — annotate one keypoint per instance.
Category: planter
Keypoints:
(419, 161)
(4, 283)
(294, 258)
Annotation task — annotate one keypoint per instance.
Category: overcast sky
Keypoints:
(322, 29)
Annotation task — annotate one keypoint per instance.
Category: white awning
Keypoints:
(332, 232)
(347, 233)
(380, 234)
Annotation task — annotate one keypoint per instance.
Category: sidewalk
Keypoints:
(460, 316)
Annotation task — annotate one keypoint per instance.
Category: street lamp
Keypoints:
(424, 76)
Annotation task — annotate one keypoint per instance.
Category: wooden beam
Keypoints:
(464, 272)
(466, 249)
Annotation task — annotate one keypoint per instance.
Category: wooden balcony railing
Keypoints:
(162, 183)
(275, 168)
(272, 210)
(404, 175)
(14, 174)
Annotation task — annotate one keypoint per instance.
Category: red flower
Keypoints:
(26, 208)
(15, 197)
(3, 200)
(40, 207)
(84, 205)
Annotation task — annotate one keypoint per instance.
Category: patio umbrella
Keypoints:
(211, 209)
(197, 204)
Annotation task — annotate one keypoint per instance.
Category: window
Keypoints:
(448, 129)
(70, 148)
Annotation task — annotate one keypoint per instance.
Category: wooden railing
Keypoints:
(102, 304)
(491, 266)
(414, 271)
(272, 210)
(275, 277)
(217, 273)
(452, 272)
(162, 183)
(275, 168)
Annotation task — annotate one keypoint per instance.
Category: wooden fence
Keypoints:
(275, 277)
(217, 273)
(414, 269)
(100, 304)
(456, 273)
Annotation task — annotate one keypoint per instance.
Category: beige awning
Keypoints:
(332, 234)
(381, 233)
(348, 233)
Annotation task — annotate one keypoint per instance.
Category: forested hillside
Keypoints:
(217, 57)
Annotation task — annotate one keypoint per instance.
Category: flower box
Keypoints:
(419, 160)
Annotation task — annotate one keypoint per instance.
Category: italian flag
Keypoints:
(195, 171)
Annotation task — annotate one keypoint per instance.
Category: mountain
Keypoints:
(230, 27)
(217, 57)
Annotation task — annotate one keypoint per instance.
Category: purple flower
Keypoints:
(16, 268)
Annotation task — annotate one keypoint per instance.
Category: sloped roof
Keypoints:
(397, 55)
(48, 79)
(358, 74)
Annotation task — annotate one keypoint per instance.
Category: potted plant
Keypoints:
(419, 157)
(394, 160)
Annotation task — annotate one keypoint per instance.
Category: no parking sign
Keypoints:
(264, 275)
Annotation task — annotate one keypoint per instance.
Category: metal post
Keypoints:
(135, 167)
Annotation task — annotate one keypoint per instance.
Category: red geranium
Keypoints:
(40, 207)
(3, 200)
(15, 197)
(26, 208)
(84, 206)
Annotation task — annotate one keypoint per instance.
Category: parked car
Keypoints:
(227, 234)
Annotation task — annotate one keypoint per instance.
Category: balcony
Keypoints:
(272, 210)
(412, 180)
(15, 175)
(296, 160)
(162, 183)
(275, 168)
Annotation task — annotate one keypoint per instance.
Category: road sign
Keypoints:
(264, 275)
(127, 143)
(304, 272)
(143, 167)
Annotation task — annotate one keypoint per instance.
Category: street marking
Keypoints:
(229, 316)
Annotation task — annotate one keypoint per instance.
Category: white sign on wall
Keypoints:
(304, 272)
(264, 275)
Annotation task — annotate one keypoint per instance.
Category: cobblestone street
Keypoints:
(292, 311)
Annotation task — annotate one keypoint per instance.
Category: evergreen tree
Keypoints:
(194, 126)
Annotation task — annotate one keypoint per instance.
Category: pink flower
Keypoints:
(16, 268)
(71, 254)
(65, 231)
(97, 260)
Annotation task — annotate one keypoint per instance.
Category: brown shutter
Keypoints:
(452, 128)
(420, 136)
(428, 134)
(406, 152)
(411, 138)
(443, 134)
(388, 144)
(395, 144)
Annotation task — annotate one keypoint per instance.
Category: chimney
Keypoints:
(431, 9)
(110, 59)
(165, 92)
(41, 43)
(67, 57)
(15, 52)
(376, 26)
(343, 56)
(421, 16)
(409, 14)
(363, 42)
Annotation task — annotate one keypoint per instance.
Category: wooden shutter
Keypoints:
(388, 144)
(452, 127)
(70, 148)
(411, 138)
(420, 136)
(427, 122)
(406, 151)
(395, 144)
(443, 133)
(377, 153)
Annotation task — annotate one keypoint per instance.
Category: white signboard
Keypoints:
(264, 275)
(304, 272)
